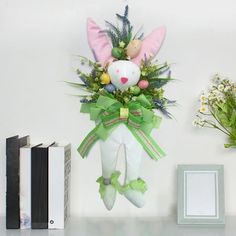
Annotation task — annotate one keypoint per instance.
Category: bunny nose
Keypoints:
(124, 80)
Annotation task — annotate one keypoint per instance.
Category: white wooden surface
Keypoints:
(127, 226)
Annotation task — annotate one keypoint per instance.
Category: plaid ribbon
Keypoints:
(137, 116)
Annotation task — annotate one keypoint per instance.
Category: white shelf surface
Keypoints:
(127, 227)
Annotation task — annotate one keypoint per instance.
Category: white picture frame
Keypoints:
(201, 194)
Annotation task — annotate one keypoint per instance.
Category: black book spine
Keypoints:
(12, 185)
(13, 145)
(39, 188)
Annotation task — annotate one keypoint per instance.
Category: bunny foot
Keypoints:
(108, 189)
(135, 197)
(109, 197)
(134, 192)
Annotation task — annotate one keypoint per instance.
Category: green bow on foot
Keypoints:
(138, 185)
(113, 181)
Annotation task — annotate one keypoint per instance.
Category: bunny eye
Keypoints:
(117, 71)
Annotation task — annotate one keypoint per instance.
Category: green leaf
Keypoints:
(159, 82)
(223, 119)
(233, 119)
(81, 96)
(223, 106)
(75, 84)
(114, 28)
(80, 86)
(165, 79)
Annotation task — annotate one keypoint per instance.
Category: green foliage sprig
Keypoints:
(91, 83)
(218, 109)
(97, 82)
(121, 34)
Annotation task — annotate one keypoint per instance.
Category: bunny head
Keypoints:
(123, 73)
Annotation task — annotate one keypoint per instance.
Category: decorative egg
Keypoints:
(105, 78)
(110, 88)
(134, 48)
(117, 52)
(143, 84)
(135, 90)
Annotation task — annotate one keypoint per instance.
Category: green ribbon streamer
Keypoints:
(140, 121)
(138, 184)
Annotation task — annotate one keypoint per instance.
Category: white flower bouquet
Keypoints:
(218, 108)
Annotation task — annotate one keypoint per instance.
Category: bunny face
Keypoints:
(124, 74)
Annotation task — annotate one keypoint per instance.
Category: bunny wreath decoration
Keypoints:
(123, 88)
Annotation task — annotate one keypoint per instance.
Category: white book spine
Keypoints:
(58, 179)
(25, 187)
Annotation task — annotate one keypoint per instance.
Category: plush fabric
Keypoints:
(123, 75)
(98, 42)
(133, 150)
(151, 45)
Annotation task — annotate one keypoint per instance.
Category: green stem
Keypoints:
(228, 132)
(216, 127)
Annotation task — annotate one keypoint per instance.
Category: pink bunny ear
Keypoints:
(98, 42)
(151, 45)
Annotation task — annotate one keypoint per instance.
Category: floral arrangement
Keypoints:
(123, 88)
(126, 45)
(218, 108)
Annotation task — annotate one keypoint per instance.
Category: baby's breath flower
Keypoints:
(215, 92)
(221, 87)
(219, 100)
(195, 122)
(202, 109)
(220, 97)
(199, 122)
(203, 98)
(211, 97)
(216, 79)
(227, 88)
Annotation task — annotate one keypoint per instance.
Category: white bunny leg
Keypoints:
(109, 149)
(133, 161)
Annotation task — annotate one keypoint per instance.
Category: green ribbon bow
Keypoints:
(109, 113)
(113, 181)
(138, 184)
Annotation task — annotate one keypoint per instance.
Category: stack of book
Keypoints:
(37, 188)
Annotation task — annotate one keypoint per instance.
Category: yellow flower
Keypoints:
(203, 98)
(121, 44)
(105, 78)
(202, 109)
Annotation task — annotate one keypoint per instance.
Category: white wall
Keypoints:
(38, 41)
